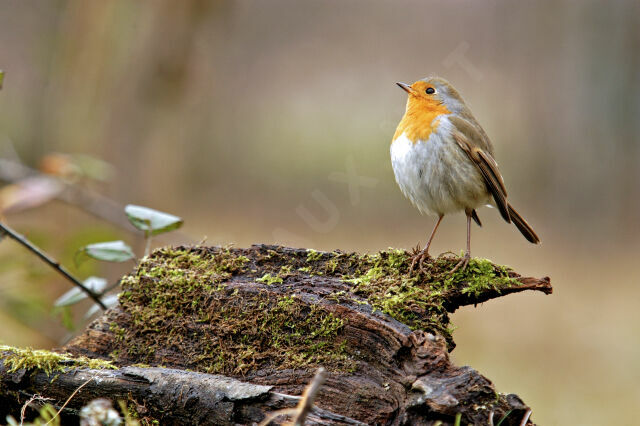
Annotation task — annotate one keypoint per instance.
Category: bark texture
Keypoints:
(253, 325)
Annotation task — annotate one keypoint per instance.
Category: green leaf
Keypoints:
(109, 301)
(76, 294)
(1, 78)
(112, 251)
(152, 221)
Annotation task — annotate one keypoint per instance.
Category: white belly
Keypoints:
(436, 175)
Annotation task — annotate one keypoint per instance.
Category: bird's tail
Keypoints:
(523, 226)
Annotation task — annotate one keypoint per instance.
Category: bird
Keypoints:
(443, 162)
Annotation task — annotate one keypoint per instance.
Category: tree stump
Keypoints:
(213, 335)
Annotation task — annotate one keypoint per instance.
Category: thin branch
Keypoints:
(84, 199)
(309, 395)
(304, 407)
(69, 399)
(4, 229)
(90, 202)
(23, 410)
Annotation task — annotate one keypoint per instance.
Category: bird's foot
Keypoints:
(419, 257)
(462, 264)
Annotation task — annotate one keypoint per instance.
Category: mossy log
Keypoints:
(152, 393)
(270, 316)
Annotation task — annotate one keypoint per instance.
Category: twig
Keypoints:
(84, 199)
(4, 229)
(23, 411)
(304, 407)
(69, 399)
(309, 395)
(97, 205)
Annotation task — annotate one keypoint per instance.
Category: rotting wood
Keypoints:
(270, 316)
(172, 396)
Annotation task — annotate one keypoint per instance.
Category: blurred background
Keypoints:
(270, 122)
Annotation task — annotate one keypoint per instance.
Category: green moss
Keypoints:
(119, 332)
(418, 300)
(481, 275)
(331, 266)
(285, 270)
(313, 255)
(273, 332)
(396, 259)
(235, 332)
(269, 279)
(387, 286)
(371, 275)
(47, 361)
(186, 304)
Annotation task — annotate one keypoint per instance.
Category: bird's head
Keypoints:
(433, 95)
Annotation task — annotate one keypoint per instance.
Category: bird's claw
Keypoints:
(419, 258)
(462, 264)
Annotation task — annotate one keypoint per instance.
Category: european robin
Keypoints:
(443, 161)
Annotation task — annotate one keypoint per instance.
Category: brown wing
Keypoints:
(475, 217)
(472, 143)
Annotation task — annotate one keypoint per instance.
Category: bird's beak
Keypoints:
(405, 87)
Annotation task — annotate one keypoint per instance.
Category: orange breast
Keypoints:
(420, 121)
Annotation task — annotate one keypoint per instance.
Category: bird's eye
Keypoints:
(430, 90)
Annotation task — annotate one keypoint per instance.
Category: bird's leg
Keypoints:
(424, 254)
(467, 256)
